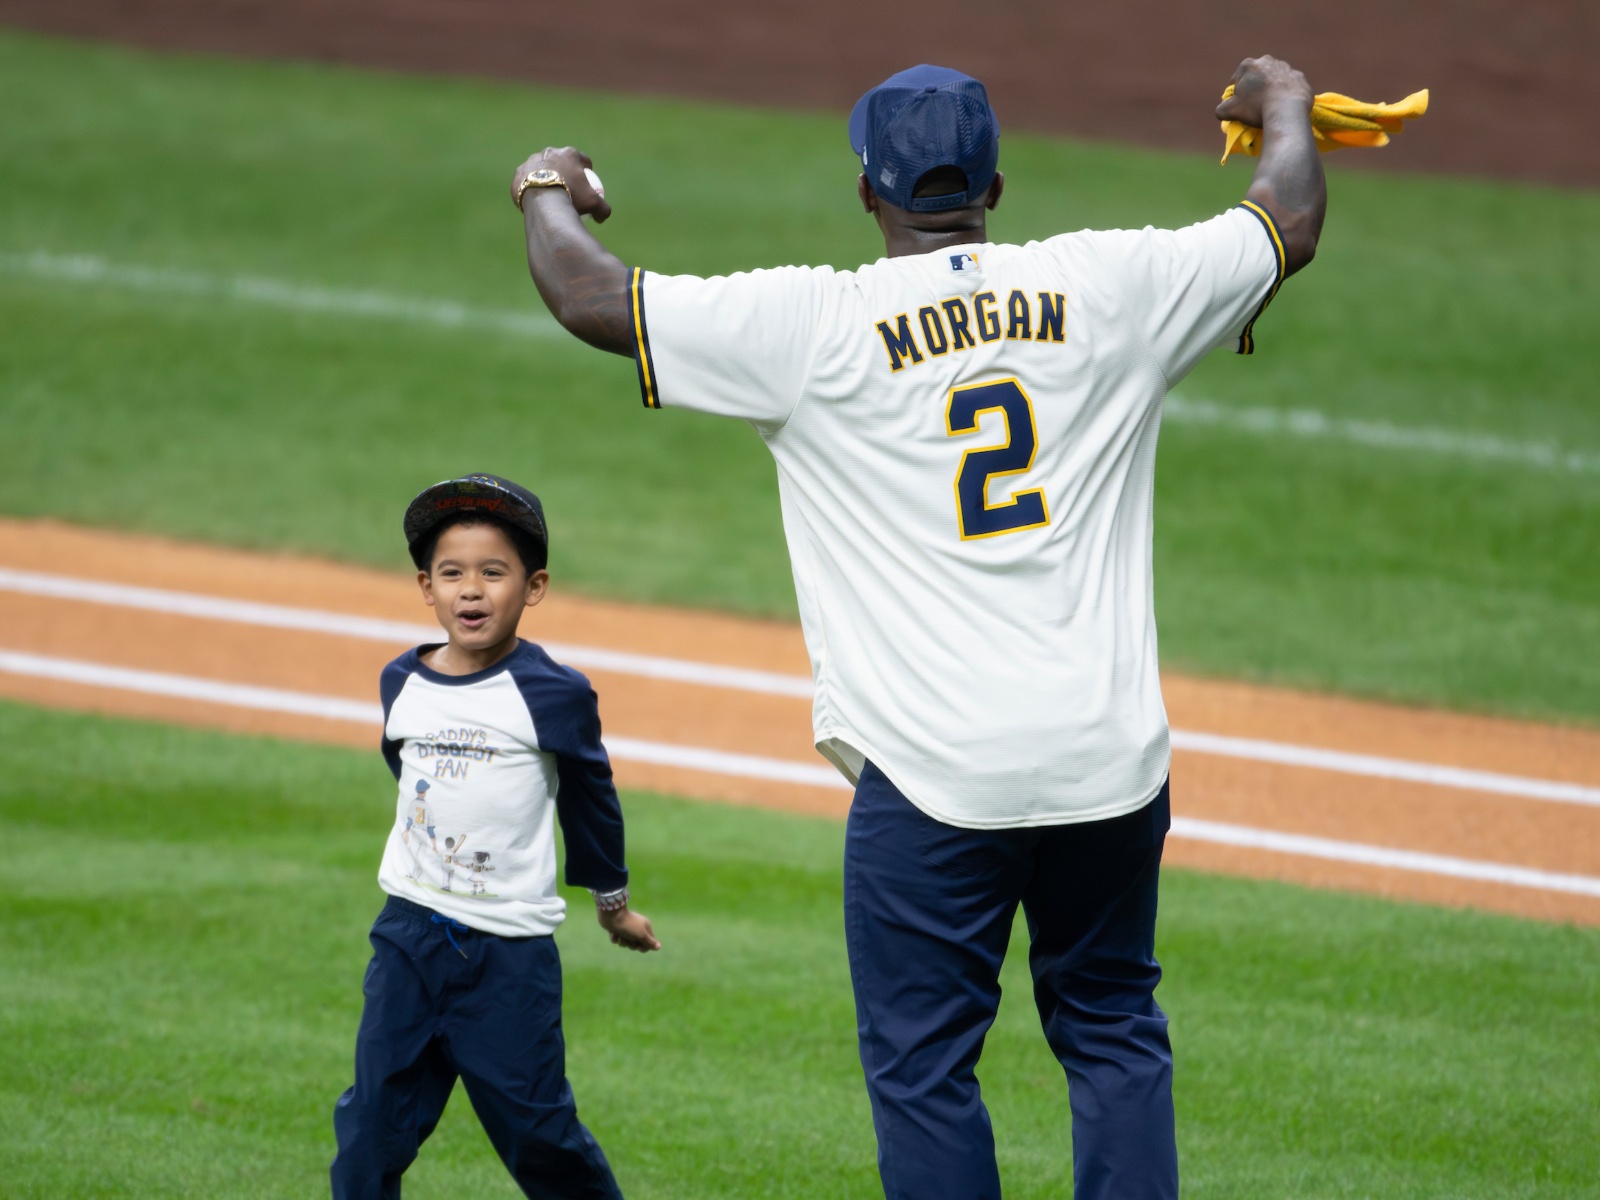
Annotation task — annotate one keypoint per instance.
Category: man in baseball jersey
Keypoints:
(965, 435)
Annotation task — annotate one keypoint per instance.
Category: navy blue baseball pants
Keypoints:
(928, 913)
(444, 1001)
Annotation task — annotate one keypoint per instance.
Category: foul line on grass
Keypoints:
(1309, 423)
(751, 766)
(677, 670)
(275, 293)
(89, 269)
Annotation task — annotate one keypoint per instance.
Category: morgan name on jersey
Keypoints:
(954, 324)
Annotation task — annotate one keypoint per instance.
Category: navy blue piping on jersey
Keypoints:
(1247, 340)
(641, 341)
(412, 661)
(566, 718)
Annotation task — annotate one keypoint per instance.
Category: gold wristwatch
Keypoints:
(544, 177)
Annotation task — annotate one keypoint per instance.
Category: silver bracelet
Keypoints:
(610, 901)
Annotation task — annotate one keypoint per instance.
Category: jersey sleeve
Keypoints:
(390, 684)
(1197, 288)
(566, 719)
(732, 345)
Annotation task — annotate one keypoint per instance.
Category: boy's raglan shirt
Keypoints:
(494, 758)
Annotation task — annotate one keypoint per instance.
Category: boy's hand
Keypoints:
(629, 929)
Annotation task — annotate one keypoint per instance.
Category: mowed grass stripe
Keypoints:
(1427, 573)
(89, 271)
(452, 314)
(1309, 423)
(180, 979)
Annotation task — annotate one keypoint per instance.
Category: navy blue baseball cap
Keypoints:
(919, 120)
(478, 493)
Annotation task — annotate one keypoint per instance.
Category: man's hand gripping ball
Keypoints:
(575, 167)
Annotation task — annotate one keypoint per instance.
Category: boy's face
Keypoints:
(478, 586)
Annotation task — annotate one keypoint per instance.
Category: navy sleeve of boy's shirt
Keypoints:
(389, 684)
(566, 716)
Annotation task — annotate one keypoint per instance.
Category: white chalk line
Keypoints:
(189, 687)
(676, 670)
(1376, 767)
(1361, 854)
(402, 633)
(751, 766)
(89, 269)
(1309, 423)
(722, 762)
(337, 708)
(92, 270)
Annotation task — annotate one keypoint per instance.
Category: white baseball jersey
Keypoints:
(965, 443)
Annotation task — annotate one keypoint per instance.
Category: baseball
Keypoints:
(594, 182)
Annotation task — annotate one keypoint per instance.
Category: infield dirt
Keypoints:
(1514, 90)
(1479, 826)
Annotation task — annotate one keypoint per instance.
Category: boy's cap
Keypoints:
(479, 493)
(921, 119)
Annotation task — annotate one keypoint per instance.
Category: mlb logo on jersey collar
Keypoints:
(963, 262)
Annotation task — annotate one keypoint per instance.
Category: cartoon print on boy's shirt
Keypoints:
(419, 817)
(449, 861)
(451, 752)
(478, 865)
(454, 858)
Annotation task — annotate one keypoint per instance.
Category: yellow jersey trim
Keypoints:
(641, 341)
(1247, 339)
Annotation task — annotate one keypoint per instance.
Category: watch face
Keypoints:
(544, 175)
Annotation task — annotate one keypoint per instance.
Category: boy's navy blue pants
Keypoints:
(443, 1002)
(928, 914)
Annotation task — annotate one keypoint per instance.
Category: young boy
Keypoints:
(466, 981)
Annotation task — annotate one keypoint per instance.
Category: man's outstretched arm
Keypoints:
(1270, 95)
(583, 284)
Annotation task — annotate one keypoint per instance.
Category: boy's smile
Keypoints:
(478, 588)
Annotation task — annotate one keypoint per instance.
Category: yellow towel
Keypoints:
(1336, 121)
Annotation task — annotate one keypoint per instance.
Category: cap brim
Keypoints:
(442, 500)
(858, 125)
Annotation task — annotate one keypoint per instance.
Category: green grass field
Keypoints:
(183, 938)
(184, 932)
(1449, 307)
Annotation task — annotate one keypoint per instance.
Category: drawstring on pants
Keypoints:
(451, 928)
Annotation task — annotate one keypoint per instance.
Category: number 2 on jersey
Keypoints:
(1024, 510)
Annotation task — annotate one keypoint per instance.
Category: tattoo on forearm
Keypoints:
(596, 301)
(1298, 187)
(1289, 182)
